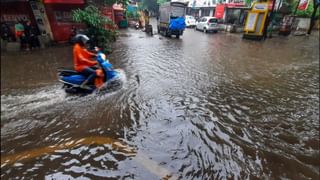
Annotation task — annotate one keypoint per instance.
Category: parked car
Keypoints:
(190, 21)
(207, 24)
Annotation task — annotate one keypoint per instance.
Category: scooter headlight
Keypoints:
(103, 56)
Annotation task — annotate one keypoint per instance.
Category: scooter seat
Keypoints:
(67, 72)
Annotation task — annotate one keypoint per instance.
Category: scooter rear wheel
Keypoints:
(71, 90)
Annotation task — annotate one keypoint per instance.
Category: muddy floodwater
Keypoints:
(205, 106)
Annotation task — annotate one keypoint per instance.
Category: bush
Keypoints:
(133, 15)
(96, 23)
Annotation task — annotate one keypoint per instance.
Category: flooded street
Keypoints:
(205, 106)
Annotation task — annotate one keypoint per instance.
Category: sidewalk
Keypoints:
(16, 47)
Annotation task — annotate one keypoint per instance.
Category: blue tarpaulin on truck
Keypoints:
(177, 24)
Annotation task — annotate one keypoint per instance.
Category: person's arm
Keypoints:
(89, 54)
(88, 61)
(78, 52)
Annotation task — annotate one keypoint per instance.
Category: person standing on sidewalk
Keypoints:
(31, 35)
(19, 31)
(6, 33)
(27, 34)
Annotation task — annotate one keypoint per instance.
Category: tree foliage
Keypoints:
(248, 2)
(152, 5)
(133, 15)
(96, 24)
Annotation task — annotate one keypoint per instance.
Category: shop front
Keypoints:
(119, 16)
(194, 11)
(207, 11)
(232, 13)
(59, 14)
(115, 13)
(14, 11)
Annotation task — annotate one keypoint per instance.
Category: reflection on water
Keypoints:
(205, 106)
(67, 145)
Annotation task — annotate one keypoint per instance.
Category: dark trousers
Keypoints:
(34, 42)
(90, 73)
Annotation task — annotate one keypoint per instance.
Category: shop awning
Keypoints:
(231, 5)
(63, 1)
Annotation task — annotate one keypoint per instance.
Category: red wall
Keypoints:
(108, 12)
(61, 30)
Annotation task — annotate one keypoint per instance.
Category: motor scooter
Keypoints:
(72, 79)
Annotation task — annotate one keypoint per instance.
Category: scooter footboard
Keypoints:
(74, 79)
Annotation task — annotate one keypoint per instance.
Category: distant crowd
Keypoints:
(24, 32)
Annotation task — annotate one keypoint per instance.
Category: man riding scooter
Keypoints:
(85, 76)
(82, 59)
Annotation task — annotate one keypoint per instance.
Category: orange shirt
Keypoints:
(81, 58)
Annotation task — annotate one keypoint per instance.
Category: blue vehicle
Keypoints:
(72, 79)
(171, 19)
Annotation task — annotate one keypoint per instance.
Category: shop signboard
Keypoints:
(303, 5)
(11, 19)
(255, 22)
(260, 7)
(251, 22)
(219, 13)
(63, 16)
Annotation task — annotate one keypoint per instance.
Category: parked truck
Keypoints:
(171, 20)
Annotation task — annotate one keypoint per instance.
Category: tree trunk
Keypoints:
(315, 7)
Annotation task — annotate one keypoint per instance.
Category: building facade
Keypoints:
(228, 11)
(52, 17)
(199, 8)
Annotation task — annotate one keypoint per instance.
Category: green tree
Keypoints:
(151, 5)
(248, 2)
(133, 15)
(96, 23)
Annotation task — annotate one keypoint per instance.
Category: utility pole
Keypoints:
(312, 19)
(269, 19)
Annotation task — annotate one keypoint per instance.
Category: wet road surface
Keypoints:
(205, 106)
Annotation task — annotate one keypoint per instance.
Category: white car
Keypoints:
(207, 24)
(190, 21)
